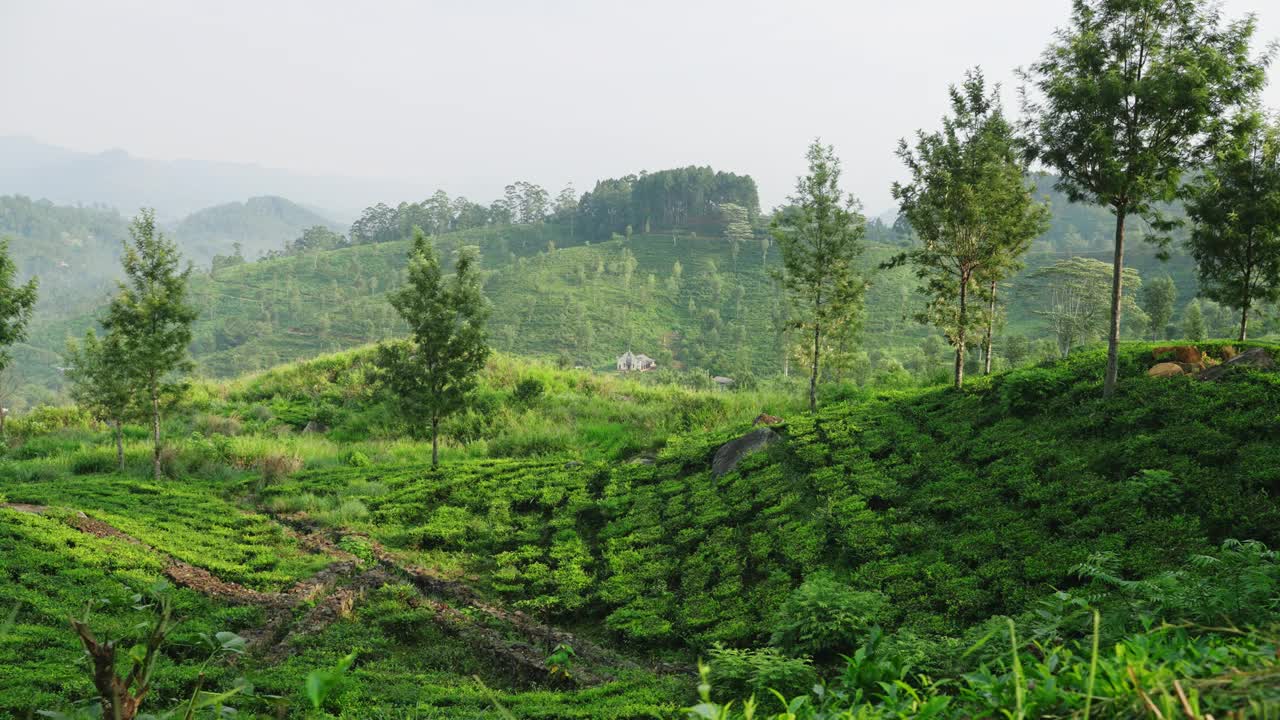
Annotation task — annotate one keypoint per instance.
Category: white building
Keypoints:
(635, 362)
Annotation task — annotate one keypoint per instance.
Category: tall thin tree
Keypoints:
(1235, 210)
(152, 317)
(101, 382)
(971, 208)
(1129, 96)
(820, 238)
(16, 303)
(432, 374)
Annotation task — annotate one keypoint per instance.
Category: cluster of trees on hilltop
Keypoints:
(691, 197)
(686, 197)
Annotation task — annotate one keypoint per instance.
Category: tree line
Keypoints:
(683, 197)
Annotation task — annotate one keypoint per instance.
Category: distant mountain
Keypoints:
(175, 188)
(259, 224)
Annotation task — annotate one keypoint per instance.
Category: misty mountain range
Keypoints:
(179, 187)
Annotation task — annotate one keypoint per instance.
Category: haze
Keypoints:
(468, 96)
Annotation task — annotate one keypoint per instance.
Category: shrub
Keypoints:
(529, 390)
(757, 671)
(219, 425)
(358, 459)
(93, 462)
(277, 466)
(824, 618)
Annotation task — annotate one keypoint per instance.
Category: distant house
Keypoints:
(635, 362)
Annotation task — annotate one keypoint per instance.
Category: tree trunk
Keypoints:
(960, 332)
(119, 445)
(991, 330)
(1244, 322)
(813, 375)
(1117, 292)
(435, 442)
(155, 431)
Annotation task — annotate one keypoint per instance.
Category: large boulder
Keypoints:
(1166, 369)
(732, 452)
(1186, 354)
(1255, 358)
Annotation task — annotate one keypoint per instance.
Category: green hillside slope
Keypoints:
(925, 514)
(258, 225)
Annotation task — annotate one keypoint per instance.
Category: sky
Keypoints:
(469, 95)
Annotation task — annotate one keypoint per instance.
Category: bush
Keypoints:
(277, 466)
(528, 390)
(755, 672)
(358, 459)
(93, 462)
(218, 425)
(824, 618)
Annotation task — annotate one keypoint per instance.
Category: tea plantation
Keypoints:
(914, 553)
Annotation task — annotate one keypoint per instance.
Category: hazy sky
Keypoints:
(468, 95)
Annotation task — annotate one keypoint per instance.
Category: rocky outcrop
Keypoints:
(1255, 358)
(732, 452)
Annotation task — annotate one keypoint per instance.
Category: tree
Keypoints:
(1131, 94)
(100, 382)
(567, 207)
(16, 303)
(1072, 295)
(1235, 209)
(1156, 299)
(316, 238)
(1193, 322)
(737, 228)
(432, 374)
(152, 318)
(972, 210)
(820, 241)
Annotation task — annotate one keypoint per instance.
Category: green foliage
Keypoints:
(825, 618)
(16, 304)
(151, 317)
(1193, 322)
(1132, 94)
(1156, 299)
(970, 205)
(528, 390)
(1235, 208)
(321, 683)
(820, 238)
(433, 375)
(1073, 297)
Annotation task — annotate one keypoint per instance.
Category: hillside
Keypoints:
(257, 225)
(931, 513)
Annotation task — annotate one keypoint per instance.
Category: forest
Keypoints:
(652, 450)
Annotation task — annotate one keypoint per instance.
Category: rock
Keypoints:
(763, 419)
(1255, 358)
(732, 452)
(1189, 354)
(1166, 369)
(645, 459)
(315, 426)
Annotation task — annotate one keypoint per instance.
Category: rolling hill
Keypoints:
(922, 533)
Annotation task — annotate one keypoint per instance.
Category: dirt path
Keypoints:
(340, 587)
